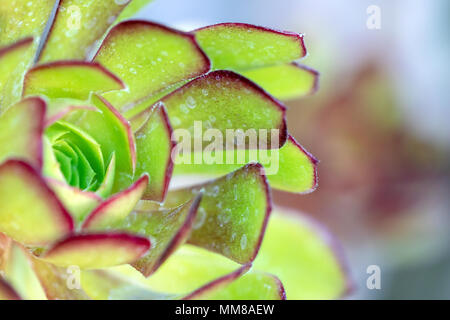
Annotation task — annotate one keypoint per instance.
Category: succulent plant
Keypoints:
(87, 120)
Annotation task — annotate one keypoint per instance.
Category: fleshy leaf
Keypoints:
(70, 79)
(56, 111)
(29, 210)
(21, 129)
(290, 168)
(90, 251)
(225, 100)
(110, 285)
(19, 272)
(240, 46)
(132, 8)
(23, 18)
(286, 81)
(253, 285)
(185, 271)
(154, 153)
(14, 61)
(77, 26)
(117, 207)
(78, 202)
(6, 291)
(59, 283)
(149, 57)
(167, 229)
(233, 213)
(114, 134)
(107, 185)
(304, 257)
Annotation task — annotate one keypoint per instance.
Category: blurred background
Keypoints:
(378, 124)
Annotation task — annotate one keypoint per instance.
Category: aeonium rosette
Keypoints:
(87, 153)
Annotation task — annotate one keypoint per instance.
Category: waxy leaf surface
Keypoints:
(21, 129)
(286, 81)
(154, 153)
(94, 251)
(77, 26)
(233, 213)
(29, 210)
(240, 46)
(70, 79)
(290, 168)
(225, 100)
(149, 57)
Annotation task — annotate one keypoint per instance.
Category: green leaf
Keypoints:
(77, 26)
(132, 8)
(14, 60)
(286, 81)
(253, 285)
(107, 185)
(29, 210)
(114, 134)
(290, 168)
(117, 207)
(93, 251)
(19, 272)
(78, 202)
(21, 129)
(110, 285)
(65, 138)
(70, 79)
(304, 257)
(154, 152)
(149, 57)
(240, 46)
(225, 100)
(233, 213)
(23, 18)
(186, 271)
(167, 229)
(58, 283)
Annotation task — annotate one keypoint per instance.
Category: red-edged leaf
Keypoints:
(233, 213)
(217, 284)
(169, 229)
(149, 57)
(244, 46)
(154, 153)
(225, 100)
(78, 202)
(21, 129)
(29, 210)
(93, 251)
(116, 207)
(70, 79)
(7, 292)
(113, 132)
(59, 283)
(77, 26)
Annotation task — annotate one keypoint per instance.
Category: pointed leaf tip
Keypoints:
(117, 207)
(241, 46)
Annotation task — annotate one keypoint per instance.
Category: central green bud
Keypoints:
(79, 156)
